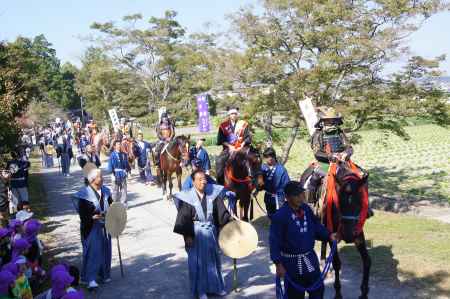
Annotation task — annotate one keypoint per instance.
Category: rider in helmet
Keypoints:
(329, 142)
(165, 130)
(233, 135)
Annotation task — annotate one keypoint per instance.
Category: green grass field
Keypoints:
(407, 250)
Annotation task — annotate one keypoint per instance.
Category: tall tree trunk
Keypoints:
(287, 147)
(267, 126)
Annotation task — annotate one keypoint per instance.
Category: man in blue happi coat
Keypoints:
(201, 215)
(119, 167)
(275, 179)
(142, 150)
(293, 232)
(92, 203)
(198, 152)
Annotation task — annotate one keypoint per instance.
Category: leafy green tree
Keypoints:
(162, 65)
(17, 89)
(150, 53)
(335, 52)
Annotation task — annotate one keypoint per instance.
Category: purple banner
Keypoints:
(203, 113)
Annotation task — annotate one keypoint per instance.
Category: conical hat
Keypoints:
(328, 113)
(88, 168)
(116, 219)
(238, 239)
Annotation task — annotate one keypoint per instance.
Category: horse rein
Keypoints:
(179, 148)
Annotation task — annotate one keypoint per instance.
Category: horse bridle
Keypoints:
(180, 148)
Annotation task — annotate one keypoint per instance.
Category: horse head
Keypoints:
(350, 187)
(247, 163)
(183, 143)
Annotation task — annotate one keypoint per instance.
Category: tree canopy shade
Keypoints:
(335, 51)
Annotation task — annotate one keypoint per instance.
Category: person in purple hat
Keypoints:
(22, 289)
(7, 284)
(60, 281)
(34, 254)
(5, 246)
(16, 228)
(11, 267)
(19, 248)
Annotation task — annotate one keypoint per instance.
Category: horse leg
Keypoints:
(337, 281)
(179, 173)
(360, 244)
(163, 183)
(244, 204)
(169, 177)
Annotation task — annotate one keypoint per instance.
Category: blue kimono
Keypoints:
(119, 166)
(142, 153)
(142, 149)
(96, 242)
(83, 143)
(275, 179)
(292, 237)
(201, 219)
(202, 155)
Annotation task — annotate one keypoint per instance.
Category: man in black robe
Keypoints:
(201, 214)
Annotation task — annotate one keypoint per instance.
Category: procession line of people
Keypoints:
(201, 209)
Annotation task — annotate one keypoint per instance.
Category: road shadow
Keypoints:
(147, 276)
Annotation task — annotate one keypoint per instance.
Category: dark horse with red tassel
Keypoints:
(342, 204)
(242, 173)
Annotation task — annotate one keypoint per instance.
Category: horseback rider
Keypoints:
(329, 144)
(233, 135)
(165, 130)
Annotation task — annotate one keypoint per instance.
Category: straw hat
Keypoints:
(328, 113)
(116, 219)
(238, 239)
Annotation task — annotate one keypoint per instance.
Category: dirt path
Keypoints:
(154, 257)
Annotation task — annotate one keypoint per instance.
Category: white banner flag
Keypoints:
(161, 111)
(309, 113)
(114, 118)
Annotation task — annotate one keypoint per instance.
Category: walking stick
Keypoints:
(235, 282)
(120, 257)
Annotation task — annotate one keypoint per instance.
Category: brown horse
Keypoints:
(101, 141)
(342, 204)
(172, 156)
(127, 146)
(242, 172)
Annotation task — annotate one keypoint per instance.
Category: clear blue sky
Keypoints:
(64, 21)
